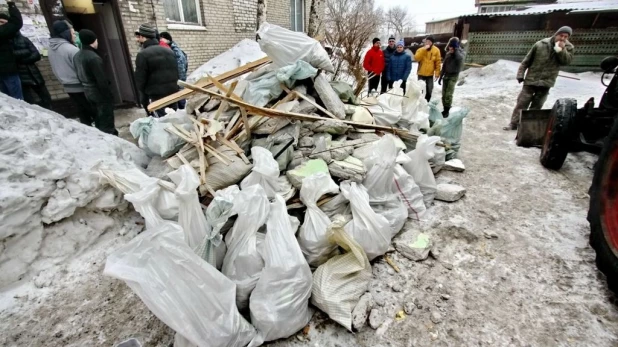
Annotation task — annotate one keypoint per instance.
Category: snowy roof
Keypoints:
(563, 5)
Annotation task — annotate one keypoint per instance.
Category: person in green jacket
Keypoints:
(539, 70)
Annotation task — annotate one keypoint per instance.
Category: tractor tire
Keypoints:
(559, 134)
(603, 211)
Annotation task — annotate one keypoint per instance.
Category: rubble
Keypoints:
(376, 318)
(449, 192)
(415, 247)
(309, 168)
(454, 165)
(361, 311)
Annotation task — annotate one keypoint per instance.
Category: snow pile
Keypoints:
(45, 174)
(244, 52)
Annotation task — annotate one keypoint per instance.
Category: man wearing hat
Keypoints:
(9, 78)
(429, 63)
(91, 73)
(374, 64)
(156, 71)
(451, 68)
(32, 82)
(399, 66)
(539, 70)
(385, 84)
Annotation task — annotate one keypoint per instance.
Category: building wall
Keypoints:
(443, 27)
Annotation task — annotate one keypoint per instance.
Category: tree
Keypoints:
(315, 20)
(399, 19)
(349, 26)
(261, 13)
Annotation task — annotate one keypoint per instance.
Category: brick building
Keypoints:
(202, 28)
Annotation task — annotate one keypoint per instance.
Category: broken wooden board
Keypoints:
(207, 83)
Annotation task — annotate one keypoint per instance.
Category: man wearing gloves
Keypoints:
(429, 62)
(450, 73)
(385, 84)
(374, 64)
(9, 27)
(539, 70)
(91, 73)
(399, 66)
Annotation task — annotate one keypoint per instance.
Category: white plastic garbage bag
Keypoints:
(243, 263)
(280, 302)
(220, 208)
(414, 106)
(181, 289)
(154, 139)
(265, 172)
(340, 282)
(133, 180)
(312, 237)
(419, 167)
(409, 193)
(388, 110)
(285, 47)
(369, 229)
(384, 197)
(144, 201)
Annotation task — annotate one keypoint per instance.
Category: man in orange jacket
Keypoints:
(374, 64)
(429, 64)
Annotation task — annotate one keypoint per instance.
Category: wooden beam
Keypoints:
(207, 83)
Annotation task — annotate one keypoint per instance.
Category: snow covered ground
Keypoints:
(511, 264)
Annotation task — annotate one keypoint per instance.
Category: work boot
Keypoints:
(510, 127)
(445, 112)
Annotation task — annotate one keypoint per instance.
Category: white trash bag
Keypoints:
(409, 193)
(279, 304)
(369, 229)
(339, 283)
(181, 289)
(419, 168)
(243, 263)
(388, 110)
(154, 139)
(285, 47)
(265, 172)
(383, 193)
(312, 237)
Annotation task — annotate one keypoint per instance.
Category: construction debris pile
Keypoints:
(274, 189)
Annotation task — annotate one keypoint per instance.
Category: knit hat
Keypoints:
(429, 38)
(61, 29)
(147, 30)
(4, 16)
(400, 43)
(87, 37)
(376, 40)
(392, 38)
(564, 29)
(166, 35)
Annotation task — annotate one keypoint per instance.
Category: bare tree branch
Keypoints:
(400, 20)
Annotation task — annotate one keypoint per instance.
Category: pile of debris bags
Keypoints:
(273, 177)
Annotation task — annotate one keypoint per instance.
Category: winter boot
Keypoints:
(445, 112)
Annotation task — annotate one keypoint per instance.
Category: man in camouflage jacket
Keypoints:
(542, 64)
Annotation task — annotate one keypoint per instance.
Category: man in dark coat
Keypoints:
(9, 27)
(385, 84)
(91, 74)
(32, 82)
(451, 68)
(156, 70)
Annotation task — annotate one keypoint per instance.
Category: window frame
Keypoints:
(182, 14)
(293, 23)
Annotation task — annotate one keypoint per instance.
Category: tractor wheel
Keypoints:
(603, 212)
(559, 134)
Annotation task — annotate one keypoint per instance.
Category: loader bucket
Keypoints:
(532, 127)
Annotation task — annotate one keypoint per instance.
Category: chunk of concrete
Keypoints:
(454, 165)
(450, 192)
(361, 311)
(375, 318)
(415, 246)
(306, 169)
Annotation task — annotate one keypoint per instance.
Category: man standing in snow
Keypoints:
(32, 82)
(374, 64)
(429, 61)
(450, 73)
(156, 71)
(399, 66)
(61, 53)
(539, 71)
(181, 60)
(385, 84)
(9, 27)
(91, 73)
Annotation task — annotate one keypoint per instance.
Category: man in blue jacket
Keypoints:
(399, 66)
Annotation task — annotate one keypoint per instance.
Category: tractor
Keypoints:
(565, 128)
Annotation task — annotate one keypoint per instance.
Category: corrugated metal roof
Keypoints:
(580, 6)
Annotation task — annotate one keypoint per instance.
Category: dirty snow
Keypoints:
(511, 264)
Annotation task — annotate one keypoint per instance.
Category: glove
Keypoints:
(520, 80)
(440, 81)
(403, 85)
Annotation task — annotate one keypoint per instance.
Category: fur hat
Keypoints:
(453, 42)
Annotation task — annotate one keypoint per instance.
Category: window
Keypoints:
(182, 11)
(297, 15)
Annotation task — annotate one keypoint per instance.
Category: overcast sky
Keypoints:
(427, 10)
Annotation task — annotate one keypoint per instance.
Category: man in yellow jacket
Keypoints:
(429, 64)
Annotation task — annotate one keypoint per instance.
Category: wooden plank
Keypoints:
(224, 89)
(245, 121)
(225, 103)
(315, 104)
(233, 145)
(206, 83)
